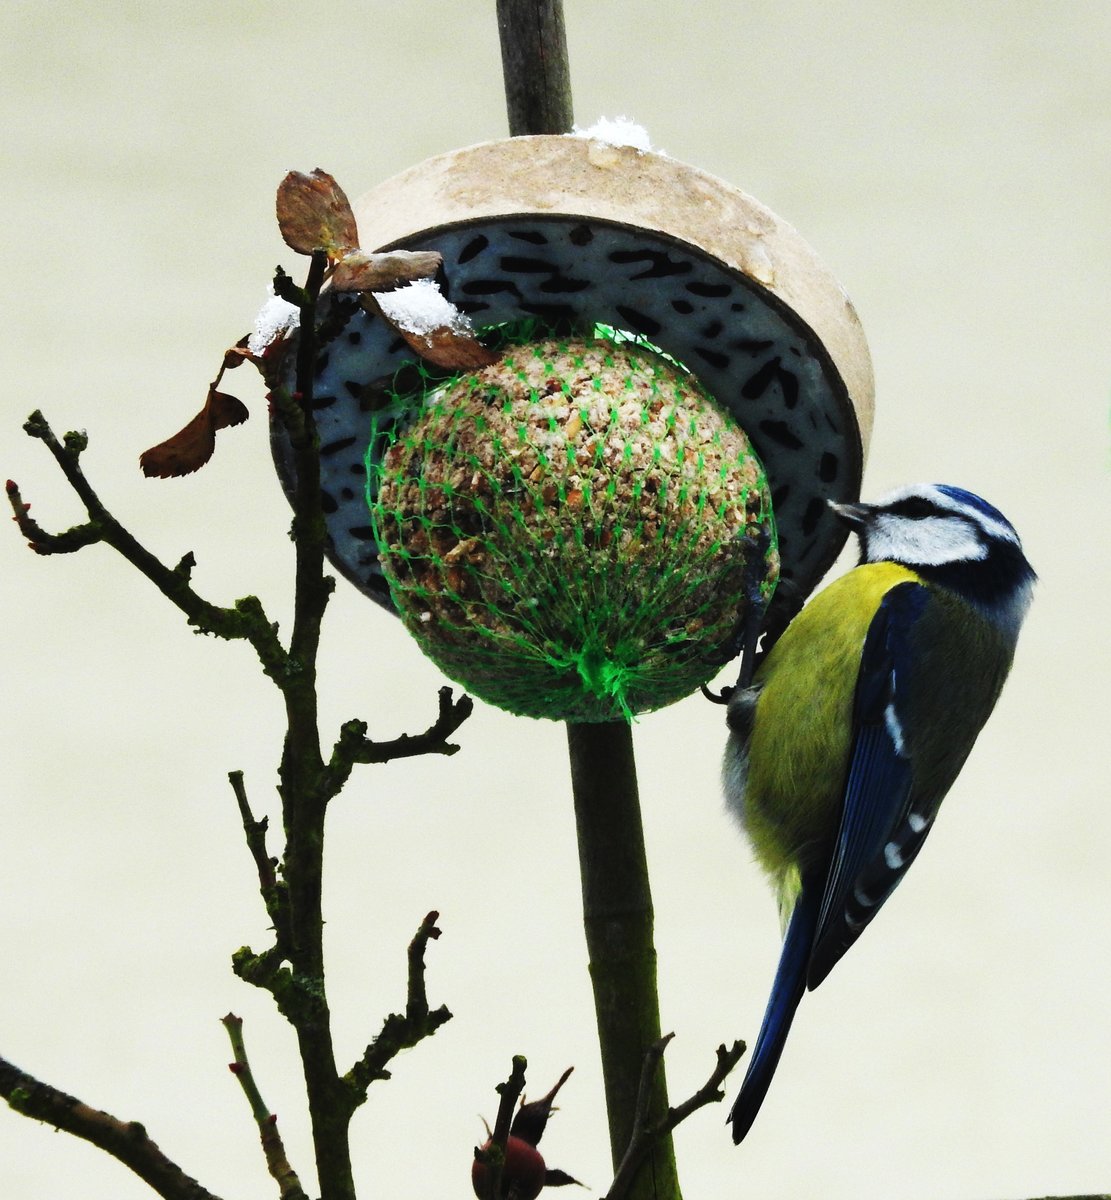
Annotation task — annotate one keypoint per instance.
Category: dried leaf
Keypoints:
(315, 214)
(190, 448)
(447, 347)
(361, 272)
(225, 409)
(451, 343)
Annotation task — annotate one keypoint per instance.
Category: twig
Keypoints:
(289, 1186)
(274, 892)
(255, 832)
(510, 1092)
(416, 1002)
(67, 542)
(353, 746)
(126, 1141)
(711, 1091)
(401, 1032)
(493, 1153)
(647, 1132)
(246, 620)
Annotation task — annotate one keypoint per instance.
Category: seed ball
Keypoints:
(565, 532)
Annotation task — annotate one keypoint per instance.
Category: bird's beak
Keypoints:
(854, 515)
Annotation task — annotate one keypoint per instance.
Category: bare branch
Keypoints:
(492, 1155)
(255, 832)
(266, 970)
(245, 621)
(416, 1003)
(645, 1132)
(289, 1186)
(292, 969)
(42, 542)
(126, 1141)
(711, 1091)
(353, 746)
(510, 1092)
(402, 1032)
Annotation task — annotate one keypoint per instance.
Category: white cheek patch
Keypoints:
(930, 541)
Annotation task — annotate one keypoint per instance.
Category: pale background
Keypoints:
(950, 162)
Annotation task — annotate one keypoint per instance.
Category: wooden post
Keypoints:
(617, 898)
(534, 65)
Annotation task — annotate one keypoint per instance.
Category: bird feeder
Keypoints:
(574, 531)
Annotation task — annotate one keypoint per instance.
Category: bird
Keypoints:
(845, 740)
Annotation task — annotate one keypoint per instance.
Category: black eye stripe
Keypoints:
(917, 508)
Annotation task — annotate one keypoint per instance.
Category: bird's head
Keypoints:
(951, 537)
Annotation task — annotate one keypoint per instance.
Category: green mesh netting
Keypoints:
(565, 532)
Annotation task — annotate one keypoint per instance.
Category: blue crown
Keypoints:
(971, 500)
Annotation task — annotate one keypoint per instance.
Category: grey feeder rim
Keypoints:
(573, 230)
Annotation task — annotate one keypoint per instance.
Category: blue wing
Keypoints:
(880, 833)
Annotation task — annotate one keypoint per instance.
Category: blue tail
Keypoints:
(787, 990)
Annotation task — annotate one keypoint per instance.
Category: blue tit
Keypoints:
(858, 721)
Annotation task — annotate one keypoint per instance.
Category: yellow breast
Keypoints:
(799, 749)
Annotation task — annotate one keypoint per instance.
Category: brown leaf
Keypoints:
(190, 448)
(446, 347)
(225, 409)
(451, 345)
(361, 272)
(315, 214)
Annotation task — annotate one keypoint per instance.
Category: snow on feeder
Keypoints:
(573, 530)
